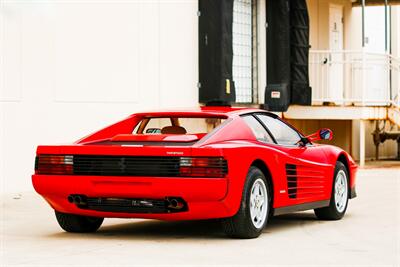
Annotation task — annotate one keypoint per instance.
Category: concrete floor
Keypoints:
(369, 235)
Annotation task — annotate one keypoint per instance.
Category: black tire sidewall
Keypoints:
(339, 167)
(253, 175)
(77, 223)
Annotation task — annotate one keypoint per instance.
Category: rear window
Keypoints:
(177, 125)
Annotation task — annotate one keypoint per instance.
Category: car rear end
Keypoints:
(161, 177)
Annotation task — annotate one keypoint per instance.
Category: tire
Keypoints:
(339, 200)
(247, 223)
(78, 224)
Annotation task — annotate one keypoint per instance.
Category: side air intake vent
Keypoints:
(291, 174)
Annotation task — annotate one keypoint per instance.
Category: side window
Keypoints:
(258, 130)
(283, 134)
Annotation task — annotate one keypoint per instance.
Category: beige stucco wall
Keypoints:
(341, 130)
(386, 150)
(346, 135)
(319, 24)
(346, 132)
(395, 30)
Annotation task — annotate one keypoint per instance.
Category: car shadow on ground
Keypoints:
(164, 230)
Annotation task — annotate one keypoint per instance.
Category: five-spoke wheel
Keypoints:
(258, 203)
(339, 196)
(254, 209)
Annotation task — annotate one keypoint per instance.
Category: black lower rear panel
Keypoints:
(130, 205)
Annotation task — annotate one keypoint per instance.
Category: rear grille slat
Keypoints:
(113, 165)
(126, 165)
(138, 166)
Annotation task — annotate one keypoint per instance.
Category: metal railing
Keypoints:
(354, 78)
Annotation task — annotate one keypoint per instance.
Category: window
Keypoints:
(181, 125)
(244, 35)
(283, 133)
(258, 130)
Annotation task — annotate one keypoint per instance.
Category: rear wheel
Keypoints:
(339, 196)
(252, 216)
(78, 224)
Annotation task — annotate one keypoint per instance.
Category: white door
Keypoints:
(335, 60)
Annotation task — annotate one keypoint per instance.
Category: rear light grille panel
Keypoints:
(126, 166)
(131, 166)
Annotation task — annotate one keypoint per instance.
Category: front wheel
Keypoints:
(254, 209)
(339, 196)
(77, 223)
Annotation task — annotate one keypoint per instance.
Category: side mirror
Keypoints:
(321, 134)
(325, 134)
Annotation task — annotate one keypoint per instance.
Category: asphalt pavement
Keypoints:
(369, 235)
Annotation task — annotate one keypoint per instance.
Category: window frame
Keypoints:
(262, 126)
(174, 119)
(254, 57)
(254, 114)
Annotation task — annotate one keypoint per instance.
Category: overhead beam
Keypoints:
(335, 113)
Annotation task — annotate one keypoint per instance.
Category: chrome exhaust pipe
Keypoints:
(175, 204)
(78, 200)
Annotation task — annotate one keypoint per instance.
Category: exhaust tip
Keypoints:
(78, 200)
(175, 204)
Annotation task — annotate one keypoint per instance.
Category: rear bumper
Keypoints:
(204, 196)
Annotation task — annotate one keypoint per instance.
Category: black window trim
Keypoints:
(272, 115)
(262, 125)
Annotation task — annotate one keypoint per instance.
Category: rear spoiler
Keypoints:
(157, 138)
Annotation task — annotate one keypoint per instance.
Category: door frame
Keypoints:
(337, 97)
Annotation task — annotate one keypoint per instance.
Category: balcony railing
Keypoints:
(354, 78)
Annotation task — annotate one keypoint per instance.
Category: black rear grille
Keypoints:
(129, 205)
(157, 166)
(126, 166)
(126, 205)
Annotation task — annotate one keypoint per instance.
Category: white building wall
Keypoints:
(69, 68)
(395, 31)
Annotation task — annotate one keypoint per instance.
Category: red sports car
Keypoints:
(237, 164)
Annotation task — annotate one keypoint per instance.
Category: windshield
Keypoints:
(177, 125)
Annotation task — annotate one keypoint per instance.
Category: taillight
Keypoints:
(54, 164)
(203, 167)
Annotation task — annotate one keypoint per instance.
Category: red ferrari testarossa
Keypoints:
(238, 164)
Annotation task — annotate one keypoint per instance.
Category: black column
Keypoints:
(287, 54)
(216, 86)
(300, 46)
(277, 93)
